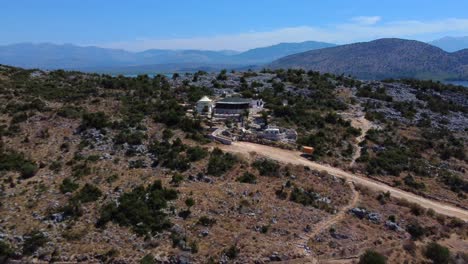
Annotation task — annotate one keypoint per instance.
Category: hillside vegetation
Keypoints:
(103, 169)
(383, 58)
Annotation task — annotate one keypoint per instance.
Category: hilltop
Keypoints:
(383, 58)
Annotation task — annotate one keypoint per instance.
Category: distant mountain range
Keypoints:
(383, 58)
(451, 44)
(52, 56)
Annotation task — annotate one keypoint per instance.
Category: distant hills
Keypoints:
(379, 59)
(52, 56)
(268, 54)
(383, 58)
(451, 44)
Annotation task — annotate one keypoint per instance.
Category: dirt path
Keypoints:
(364, 124)
(302, 244)
(293, 157)
(358, 120)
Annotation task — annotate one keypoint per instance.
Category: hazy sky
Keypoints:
(222, 24)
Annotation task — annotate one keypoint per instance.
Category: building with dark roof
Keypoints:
(232, 106)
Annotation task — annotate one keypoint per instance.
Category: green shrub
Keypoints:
(13, 161)
(5, 252)
(372, 257)
(220, 162)
(148, 259)
(307, 198)
(177, 179)
(392, 161)
(80, 170)
(72, 209)
(142, 209)
(55, 166)
(411, 182)
(196, 153)
(169, 155)
(33, 242)
(89, 193)
(28, 170)
(206, 221)
(69, 112)
(68, 185)
(415, 230)
(437, 253)
(129, 137)
(247, 177)
(189, 202)
(232, 252)
(267, 167)
(96, 120)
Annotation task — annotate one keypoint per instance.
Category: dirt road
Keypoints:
(293, 157)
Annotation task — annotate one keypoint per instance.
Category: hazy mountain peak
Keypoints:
(451, 44)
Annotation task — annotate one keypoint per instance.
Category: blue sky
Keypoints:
(223, 24)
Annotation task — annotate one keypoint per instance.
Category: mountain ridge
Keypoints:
(69, 56)
(382, 58)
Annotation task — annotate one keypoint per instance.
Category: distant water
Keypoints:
(461, 83)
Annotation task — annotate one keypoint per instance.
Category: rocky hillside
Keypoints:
(103, 169)
(383, 58)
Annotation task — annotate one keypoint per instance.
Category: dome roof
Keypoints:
(205, 99)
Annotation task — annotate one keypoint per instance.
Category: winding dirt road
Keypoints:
(293, 157)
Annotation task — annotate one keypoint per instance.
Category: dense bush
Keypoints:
(5, 252)
(14, 161)
(220, 162)
(390, 161)
(379, 93)
(308, 198)
(96, 120)
(415, 230)
(70, 112)
(411, 182)
(148, 259)
(68, 185)
(170, 155)
(142, 209)
(89, 193)
(129, 137)
(247, 177)
(437, 253)
(372, 257)
(267, 167)
(33, 241)
(196, 153)
(232, 252)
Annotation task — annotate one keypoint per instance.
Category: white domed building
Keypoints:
(204, 106)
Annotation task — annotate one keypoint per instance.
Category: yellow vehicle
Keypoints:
(307, 151)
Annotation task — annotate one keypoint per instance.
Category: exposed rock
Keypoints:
(358, 212)
(374, 217)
